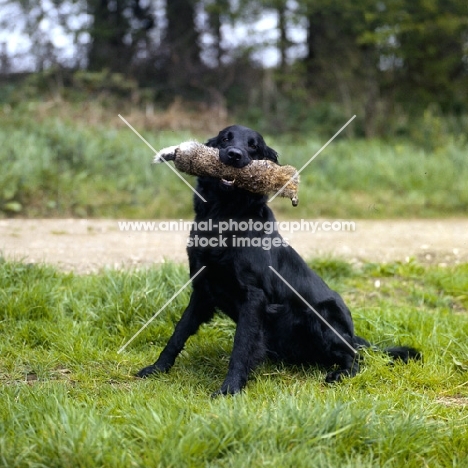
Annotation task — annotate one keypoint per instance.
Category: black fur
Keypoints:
(271, 320)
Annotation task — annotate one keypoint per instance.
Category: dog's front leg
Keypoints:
(249, 346)
(198, 311)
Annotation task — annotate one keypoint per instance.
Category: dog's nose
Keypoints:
(234, 155)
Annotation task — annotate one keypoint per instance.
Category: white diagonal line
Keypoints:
(312, 158)
(161, 309)
(313, 310)
(173, 170)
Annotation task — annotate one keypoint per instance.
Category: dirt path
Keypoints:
(88, 245)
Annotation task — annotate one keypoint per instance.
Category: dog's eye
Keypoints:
(253, 146)
(225, 139)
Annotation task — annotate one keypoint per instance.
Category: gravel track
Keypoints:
(87, 245)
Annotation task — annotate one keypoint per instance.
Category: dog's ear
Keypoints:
(212, 142)
(271, 154)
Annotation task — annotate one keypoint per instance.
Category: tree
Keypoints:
(342, 62)
(431, 41)
(118, 28)
(217, 12)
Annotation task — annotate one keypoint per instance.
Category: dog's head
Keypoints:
(239, 145)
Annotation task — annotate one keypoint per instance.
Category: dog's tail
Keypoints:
(397, 353)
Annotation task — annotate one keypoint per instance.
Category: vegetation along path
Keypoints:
(86, 245)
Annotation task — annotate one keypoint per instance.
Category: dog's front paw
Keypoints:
(229, 387)
(147, 371)
(337, 375)
(225, 391)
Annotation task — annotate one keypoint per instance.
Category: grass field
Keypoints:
(68, 399)
(58, 166)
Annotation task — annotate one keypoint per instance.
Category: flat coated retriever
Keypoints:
(248, 282)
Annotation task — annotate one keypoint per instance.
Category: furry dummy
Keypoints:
(260, 176)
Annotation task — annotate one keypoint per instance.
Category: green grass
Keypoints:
(54, 166)
(68, 399)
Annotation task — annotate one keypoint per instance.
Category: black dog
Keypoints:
(248, 283)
